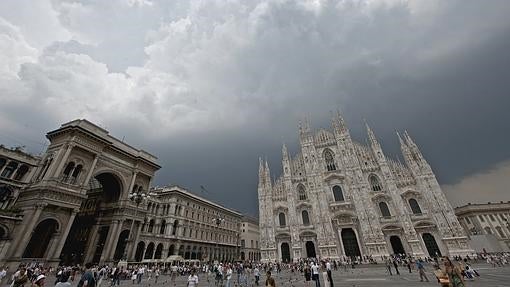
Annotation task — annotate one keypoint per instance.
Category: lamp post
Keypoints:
(217, 221)
(137, 197)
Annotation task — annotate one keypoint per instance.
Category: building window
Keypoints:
(468, 221)
(481, 218)
(243, 243)
(330, 160)
(415, 207)
(301, 192)
(385, 211)
(502, 217)
(488, 230)
(492, 217)
(151, 226)
(375, 183)
(337, 193)
(9, 169)
(281, 218)
(305, 217)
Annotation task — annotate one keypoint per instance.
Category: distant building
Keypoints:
(340, 198)
(487, 225)
(250, 237)
(73, 205)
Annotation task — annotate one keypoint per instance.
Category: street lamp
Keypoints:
(137, 197)
(217, 221)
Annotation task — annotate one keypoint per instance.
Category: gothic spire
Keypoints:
(338, 123)
(285, 153)
(371, 136)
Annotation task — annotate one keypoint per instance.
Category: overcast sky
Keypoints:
(209, 86)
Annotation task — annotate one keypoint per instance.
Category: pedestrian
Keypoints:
(454, 274)
(256, 273)
(270, 280)
(395, 264)
(39, 281)
(134, 275)
(315, 274)
(421, 270)
(156, 275)
(308, 275)
(388, 267)
(192, 279)
(328, 270)
(20, 278)
(64, 280)
(228, 276)
(408, 262)
(87, 279)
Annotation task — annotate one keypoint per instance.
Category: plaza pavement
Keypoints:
(358, 277)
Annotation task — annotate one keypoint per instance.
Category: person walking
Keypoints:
(388, 267)
(256, 273)
(228, 275)
(421, 270)
(328, 270)
(20, 278)
(315, 274)
(87, 279)
(395, 264)
(308, 275)
(270, 280)
(454, 274)
(192, 279)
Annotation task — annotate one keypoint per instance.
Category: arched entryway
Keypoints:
(41, 237)
(103, 193)
(431, 245)
(149, 253)
(139, 251)
(171, 250)
(159, 251)
(285, 252)
(350, 242)
(310, 249)
(396, 245)
(121, 245)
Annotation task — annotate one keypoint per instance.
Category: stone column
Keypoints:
(91, 170)
(65, 233)
(132, 183)
(115, 239)
(109, 241)
(26, 234)
(92, 244)
(134, 243)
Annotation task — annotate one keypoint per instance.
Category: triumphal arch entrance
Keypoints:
(76, 208)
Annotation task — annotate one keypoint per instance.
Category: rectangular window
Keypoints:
(468, 221)
(481, 218)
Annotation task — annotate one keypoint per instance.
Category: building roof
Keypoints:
(482, 208)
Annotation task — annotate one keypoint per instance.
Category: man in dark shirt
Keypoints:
(87, 279)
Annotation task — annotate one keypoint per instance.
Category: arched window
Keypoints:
(151, 226)
(76, 173)
(163, 227)
(9, 169)
(2, 162)
(337, 193)
(281, 218)
(301, 192)
(329, 158)
(375, 183)
(21, 172)
(415, 207)
(385, 211)
(67, 171)
(305, 217)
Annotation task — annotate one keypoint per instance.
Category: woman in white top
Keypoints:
(192, 279)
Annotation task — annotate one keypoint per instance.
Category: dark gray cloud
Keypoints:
(210, 86)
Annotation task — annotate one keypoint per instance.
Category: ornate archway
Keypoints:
(396, 245)
(310, 249)
(431, 245)
(350, 242)
(41, 237)
(285, 252)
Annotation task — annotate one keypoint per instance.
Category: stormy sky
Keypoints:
(209, 86)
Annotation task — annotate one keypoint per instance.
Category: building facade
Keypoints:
(487, 225)
(72, 205)
(339, 198)
(180, 223)
(250, 237)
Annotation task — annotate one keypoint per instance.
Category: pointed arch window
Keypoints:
(67, 171)
(415, 207)
(338, 193)
(301, 192)
(385, 210)
(375, 183)
(305, 217)
(163, 227)
(281, 219)
(329, 158)
(151, 226)
(174, 227)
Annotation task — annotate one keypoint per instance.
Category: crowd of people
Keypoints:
(453, 272)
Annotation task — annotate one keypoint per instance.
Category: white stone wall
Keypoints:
(359, 212)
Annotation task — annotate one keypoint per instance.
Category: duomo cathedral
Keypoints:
(338, 198)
